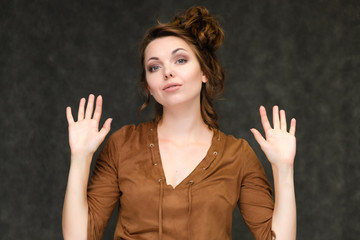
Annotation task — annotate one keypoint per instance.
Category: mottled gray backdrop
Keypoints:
(302, 55)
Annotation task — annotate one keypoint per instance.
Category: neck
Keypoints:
(183, 123)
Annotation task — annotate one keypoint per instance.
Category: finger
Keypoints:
(258, 137)
(283, 120)
(69, 115)
(276, 122)
(98, 108)
(264, 119)
(81, 109)
(90, 106)
(292, 126)
(106, 128)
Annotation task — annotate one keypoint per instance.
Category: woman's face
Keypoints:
(173, 72)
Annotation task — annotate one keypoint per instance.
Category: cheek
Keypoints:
(151, 83)
(195, 76)
(149, 88)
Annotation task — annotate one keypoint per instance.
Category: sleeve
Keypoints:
(103, 191)
(255, 201)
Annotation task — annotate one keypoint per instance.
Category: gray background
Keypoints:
(302, 55)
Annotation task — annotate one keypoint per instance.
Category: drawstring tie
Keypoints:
(160, 208)
(191, 182)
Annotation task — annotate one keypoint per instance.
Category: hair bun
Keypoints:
(203, 26)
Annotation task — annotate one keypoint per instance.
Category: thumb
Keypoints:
(258, 137)
(106, 128)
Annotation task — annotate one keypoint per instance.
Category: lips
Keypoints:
(171, 86)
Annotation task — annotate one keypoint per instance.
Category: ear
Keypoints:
(204, 79)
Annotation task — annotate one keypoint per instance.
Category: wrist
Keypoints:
(283, 175)
(283, 167)
(81, 156)
(81, 160)
(79, 170)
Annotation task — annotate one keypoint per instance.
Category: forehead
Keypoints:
(163, 46)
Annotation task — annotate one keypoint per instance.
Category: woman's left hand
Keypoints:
(279, 145)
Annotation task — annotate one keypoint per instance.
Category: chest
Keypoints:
(179, 161)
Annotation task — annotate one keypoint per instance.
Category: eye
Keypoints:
(181, 61)
(153, 68)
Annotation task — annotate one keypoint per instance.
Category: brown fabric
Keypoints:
(129, 171)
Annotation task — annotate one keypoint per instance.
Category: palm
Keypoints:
(279, 145)
(84, 135)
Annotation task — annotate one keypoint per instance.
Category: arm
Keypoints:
(280, 147)
(84, 139)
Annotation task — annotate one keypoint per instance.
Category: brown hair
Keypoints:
(204, 35)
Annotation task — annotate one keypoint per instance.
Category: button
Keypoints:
(215, 153)
(151, 145)
(155, 164)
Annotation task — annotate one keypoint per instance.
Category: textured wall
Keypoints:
(302, 55)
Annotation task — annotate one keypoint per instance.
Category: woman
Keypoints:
(178, 177)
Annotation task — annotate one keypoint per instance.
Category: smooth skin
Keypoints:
(279, 146)
(84, 139)
(180, 125)
(183, 136)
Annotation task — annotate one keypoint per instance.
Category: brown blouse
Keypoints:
(129, 171)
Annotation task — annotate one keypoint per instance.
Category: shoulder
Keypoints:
(242, 153)
(132, 133)
(235, 145)
(240, 149)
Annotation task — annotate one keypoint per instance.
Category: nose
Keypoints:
(167, 76)
(168, 73)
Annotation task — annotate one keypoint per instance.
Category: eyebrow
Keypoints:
(172, 53)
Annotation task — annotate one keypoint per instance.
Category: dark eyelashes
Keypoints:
(153, 68)
(181, 60)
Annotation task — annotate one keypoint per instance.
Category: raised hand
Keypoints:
(84, 135)
(279, 145)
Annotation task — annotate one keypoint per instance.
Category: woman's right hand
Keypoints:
(84, 135)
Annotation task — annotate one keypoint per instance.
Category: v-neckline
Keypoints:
(202, 165)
